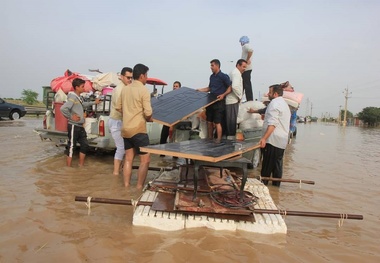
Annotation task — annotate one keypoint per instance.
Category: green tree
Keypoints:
(29, 96)
(370, 115)
(349, 114)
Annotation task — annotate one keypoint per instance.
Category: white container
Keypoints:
(87, 124)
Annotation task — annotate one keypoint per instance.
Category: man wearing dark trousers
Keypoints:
(275, 134)
(220, 86)
(246, 54)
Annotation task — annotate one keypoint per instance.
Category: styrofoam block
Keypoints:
(157, 219)
(264, 223)
(194, 221)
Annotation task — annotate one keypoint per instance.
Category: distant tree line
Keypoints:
(28, 96)
(370, 116)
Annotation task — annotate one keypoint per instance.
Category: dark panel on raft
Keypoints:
(176, 105)
(202, 149)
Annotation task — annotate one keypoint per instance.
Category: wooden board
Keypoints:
(203, 149)
(175, 105)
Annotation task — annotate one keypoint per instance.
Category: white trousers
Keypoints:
(115, 130)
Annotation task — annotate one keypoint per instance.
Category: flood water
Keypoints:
(41, 222)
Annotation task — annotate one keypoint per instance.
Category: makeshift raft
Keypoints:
(170, 219)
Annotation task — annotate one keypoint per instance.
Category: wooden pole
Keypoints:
(257, 211)
(285, 180)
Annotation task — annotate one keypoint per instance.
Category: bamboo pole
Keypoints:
(257, 211)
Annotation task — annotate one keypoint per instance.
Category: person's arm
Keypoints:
(249, 54)
(227, 83)
(259, 111)
(222, 96)
(66, 108)
(268, 132)
(90, 103)
(147, 107)
(236, 84)
(206, 89)
(252, 110)
(272, 119)
(118, 104)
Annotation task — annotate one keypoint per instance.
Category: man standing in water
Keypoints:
(220, 86)
(134, 104)
(246, 54)
(276, 134)
(115, 120)
(73, 110)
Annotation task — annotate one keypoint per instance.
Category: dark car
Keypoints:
(11, 111)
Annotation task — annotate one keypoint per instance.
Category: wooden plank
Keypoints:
(203, 149)
(175, 105)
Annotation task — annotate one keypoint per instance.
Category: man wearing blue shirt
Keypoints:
(220, 86)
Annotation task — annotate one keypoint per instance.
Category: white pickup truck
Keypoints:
(96, 125)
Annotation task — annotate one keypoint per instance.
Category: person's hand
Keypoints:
(250, 110)
(220, 97)
(262, 143)
(97, 101)
(75, 117)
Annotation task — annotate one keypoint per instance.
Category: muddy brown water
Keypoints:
(41, 222)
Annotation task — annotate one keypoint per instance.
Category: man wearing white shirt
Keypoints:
(275, 134)
(233, 99)
(246, 54)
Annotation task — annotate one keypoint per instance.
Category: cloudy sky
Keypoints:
(321, 46)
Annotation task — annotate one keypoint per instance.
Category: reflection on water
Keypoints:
(41, 221)
(9, 123)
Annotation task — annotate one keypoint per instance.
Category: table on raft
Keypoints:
(205, 152)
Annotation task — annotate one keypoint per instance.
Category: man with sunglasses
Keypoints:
(134, 103)
(115, 120)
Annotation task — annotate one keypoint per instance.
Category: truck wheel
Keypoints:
(14, 115)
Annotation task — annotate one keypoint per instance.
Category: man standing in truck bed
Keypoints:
(134, 104)
(220, 86)
(115, 120)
